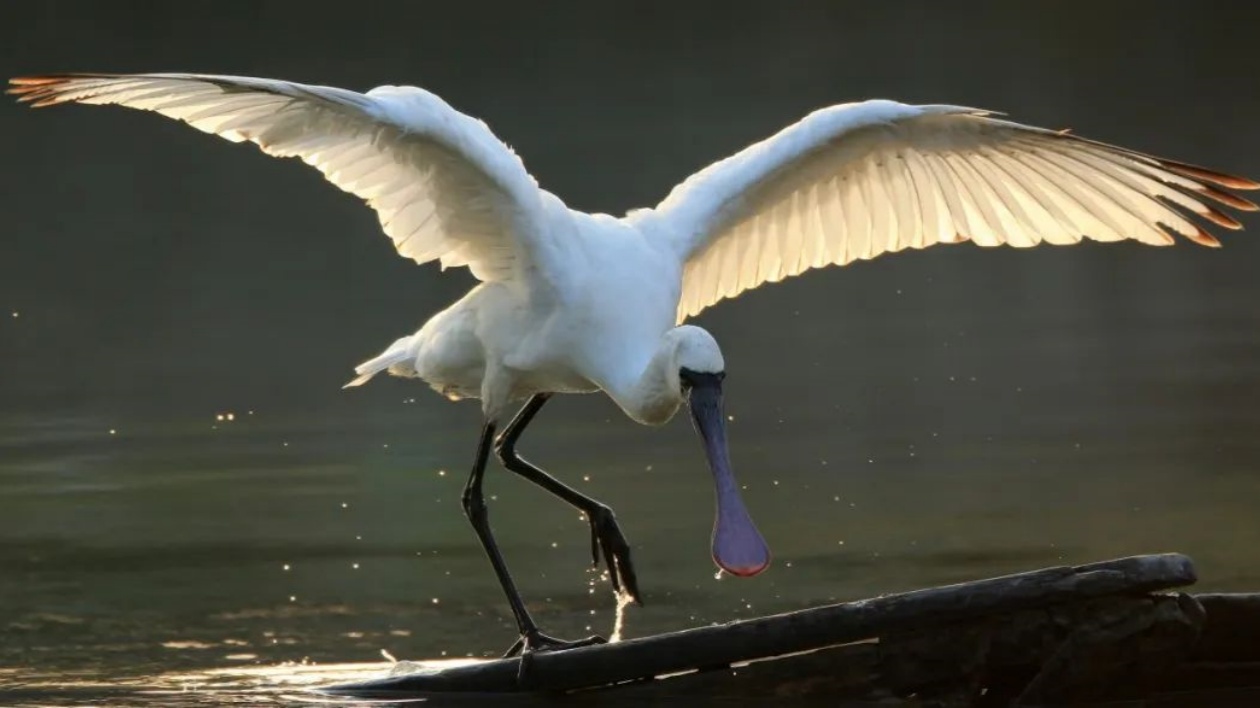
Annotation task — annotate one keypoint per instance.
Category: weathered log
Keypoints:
(804, 630)
(1232, 631)
(1117, 651)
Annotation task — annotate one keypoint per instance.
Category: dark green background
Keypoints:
(945, 414)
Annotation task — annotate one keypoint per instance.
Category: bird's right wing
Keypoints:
(853, 181)
(443, 186)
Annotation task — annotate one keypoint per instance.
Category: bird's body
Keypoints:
(576, 303)
(593, 329)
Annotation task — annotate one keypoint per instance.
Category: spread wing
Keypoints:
(853, 181)
(444, 187)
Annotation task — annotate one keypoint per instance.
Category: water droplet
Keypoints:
(441, 473)
(287, 567)
(113, 431)
(354, 566)
(344, 505)
(435, 601)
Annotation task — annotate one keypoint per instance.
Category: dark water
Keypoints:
(919, 419)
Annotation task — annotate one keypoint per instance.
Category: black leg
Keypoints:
(475, 509)
(606, 536)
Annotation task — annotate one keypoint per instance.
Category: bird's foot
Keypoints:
(608, 541)
(536, 641)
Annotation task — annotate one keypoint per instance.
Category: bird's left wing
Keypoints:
(853, 181)
(443, 186)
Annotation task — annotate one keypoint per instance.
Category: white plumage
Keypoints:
(574, 302)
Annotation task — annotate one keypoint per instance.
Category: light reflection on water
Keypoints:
(287, 683)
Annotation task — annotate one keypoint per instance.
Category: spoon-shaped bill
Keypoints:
(738, 547)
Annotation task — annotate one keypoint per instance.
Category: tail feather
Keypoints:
(397, 352)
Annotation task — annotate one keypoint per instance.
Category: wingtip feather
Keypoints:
(1203, 238)
(1220, 219)
(1208, 175)
(37, 91)
(1229, 200)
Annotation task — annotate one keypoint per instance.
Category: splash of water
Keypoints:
(619, 620)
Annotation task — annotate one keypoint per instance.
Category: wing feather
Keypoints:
(854, 181)
(444, 188)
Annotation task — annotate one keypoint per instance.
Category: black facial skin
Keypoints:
(694, 379)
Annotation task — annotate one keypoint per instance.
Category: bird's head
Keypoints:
(695, 352)
(738, 547)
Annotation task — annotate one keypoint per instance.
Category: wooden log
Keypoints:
(1227, 654)
(1232, 631)
(803, 630)
(1107, 647)
(841, 673)
(1119, 650)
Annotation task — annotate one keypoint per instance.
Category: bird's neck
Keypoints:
(654, 396)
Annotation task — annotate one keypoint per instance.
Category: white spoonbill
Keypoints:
(571, 302)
